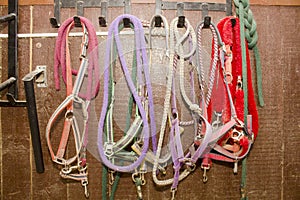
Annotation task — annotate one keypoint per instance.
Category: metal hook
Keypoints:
(111, 177)
(180, 14)
(235, 167)
(84, 183)
(218, 121)
(205, 178)
(173, 191)
(55, 21)
(103, 17)
(139, 191)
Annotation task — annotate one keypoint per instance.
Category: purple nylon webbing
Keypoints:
(143, 63)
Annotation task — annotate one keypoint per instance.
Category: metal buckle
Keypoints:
(218, 121)
(108, 149)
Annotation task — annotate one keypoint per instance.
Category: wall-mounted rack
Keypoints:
(205, 7)
(80, 5)
(11, 84)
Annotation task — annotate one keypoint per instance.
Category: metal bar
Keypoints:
(8, 17)
(7, 83)
(204, 10)
(180, 9)
(196, 6)
(158, 5)
(13, 48)
(180, 15)
(127, 6)
(55, 21)
(79, 8)
(6, 103)
(33, 119)
(103, 16)
(228, 7)
(91, 3)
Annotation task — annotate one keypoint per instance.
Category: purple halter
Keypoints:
(142, 65)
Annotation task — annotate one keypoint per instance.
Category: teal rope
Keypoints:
(130, 102)
(242, 6)
(243, 180)
(244, 63)
(245, 89)
(258, 76)
(104, 181)
(115, 185)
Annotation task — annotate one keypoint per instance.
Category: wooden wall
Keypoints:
(273, 164)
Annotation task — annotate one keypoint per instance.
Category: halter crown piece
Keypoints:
(78, 95)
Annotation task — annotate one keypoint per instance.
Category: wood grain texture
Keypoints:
(273, 164)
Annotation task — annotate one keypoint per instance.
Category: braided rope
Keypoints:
(245, 14)
(214, 62)
(173, 62)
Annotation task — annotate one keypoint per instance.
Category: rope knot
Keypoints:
(195, 109)
(249, 22)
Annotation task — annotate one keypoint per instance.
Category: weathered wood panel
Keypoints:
(273, 164)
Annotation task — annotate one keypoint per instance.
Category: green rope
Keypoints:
(243, 7)
(245, 89)
(104, 181)
(244, 63)
(258, 76)
(131, 99)
(243, 180)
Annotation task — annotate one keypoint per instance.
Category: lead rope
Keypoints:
(143, 104)
(176, 148)
(165, 117)
(242, 8)
(114, 177)
(150, 156)
(206, 162)
(76, 172)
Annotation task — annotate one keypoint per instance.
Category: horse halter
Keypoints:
(74, 99)
(220, 127)
(178, 157)
(109, 149)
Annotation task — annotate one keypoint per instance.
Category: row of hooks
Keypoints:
(159, 6)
